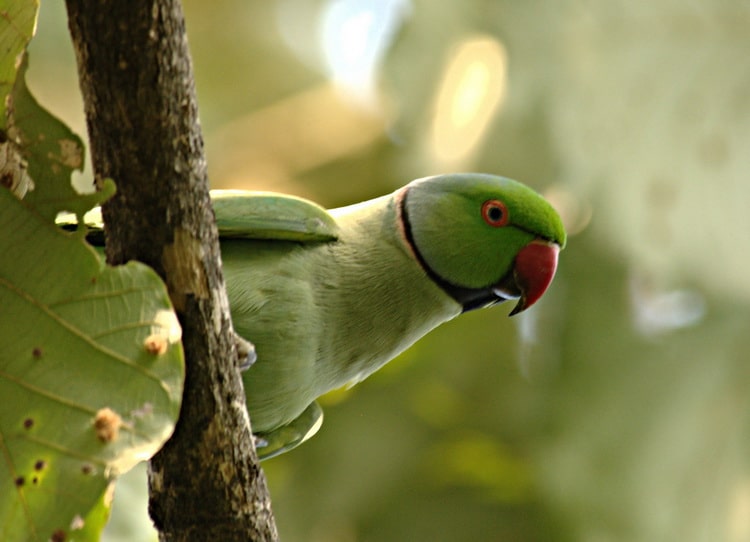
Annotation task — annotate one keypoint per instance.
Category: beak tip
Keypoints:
(520, 307)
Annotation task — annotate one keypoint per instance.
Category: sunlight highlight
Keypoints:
(269, 147)
(470, 94)
(739, 513)
(657, 311)
(355, 36)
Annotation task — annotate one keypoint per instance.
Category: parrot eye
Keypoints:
(495, 213)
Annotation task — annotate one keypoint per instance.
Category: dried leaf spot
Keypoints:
(71, 153)
(20, 481)
(40, 464)
(107, 424)
(77, 523)
(156, 344)
(13, 168)
(28, 423)
(59, 535)
(37, 352)
(87, 469)
(167, 325)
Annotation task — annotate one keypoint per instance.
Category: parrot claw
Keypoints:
(246, 355)
(291, 435)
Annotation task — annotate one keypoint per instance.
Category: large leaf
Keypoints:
(90, 374)
(90, 364)
(17, 25)
(53, 152)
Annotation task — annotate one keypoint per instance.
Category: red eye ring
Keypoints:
(495, 213)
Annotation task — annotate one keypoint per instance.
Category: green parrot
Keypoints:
(329, 297)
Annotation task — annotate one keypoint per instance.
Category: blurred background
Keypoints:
(617, 408)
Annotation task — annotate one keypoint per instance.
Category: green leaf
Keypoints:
(17, 26)
(91, 372)
(53, 152)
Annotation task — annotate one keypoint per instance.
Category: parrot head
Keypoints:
(483, 239)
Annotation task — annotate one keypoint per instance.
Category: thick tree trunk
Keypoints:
(137, 83)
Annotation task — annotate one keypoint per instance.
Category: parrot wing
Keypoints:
(243, 214)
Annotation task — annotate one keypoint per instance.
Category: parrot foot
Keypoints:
(291, 435)
(246, 355)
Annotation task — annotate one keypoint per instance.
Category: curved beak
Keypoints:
(533, 271)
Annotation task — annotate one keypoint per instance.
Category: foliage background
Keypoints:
(615, 410)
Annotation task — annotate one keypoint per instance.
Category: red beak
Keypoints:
(533, 271)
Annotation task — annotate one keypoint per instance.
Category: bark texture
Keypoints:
(137, 83)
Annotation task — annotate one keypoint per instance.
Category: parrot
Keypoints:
(320, 299)
(327, 297)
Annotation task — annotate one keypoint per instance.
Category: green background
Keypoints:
(614, 410)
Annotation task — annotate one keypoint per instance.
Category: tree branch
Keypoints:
(137, 84)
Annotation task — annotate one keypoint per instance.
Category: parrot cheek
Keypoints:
(533, 271)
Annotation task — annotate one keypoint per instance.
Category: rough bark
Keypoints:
(136, 78)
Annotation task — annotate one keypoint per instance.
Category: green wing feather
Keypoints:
(242, 214)
(265, 215)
